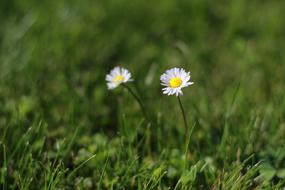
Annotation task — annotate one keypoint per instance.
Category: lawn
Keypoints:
(61, 128)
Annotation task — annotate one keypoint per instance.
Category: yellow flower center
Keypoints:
(118, 79)
(175, 82)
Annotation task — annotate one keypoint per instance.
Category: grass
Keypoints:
(60, 128)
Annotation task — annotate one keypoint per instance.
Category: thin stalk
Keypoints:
(187, 137)
(138, 100)
(184, 115)
(148, 132)
(80, 166)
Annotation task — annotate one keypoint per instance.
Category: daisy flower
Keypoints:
(118, 76)
(174, 80)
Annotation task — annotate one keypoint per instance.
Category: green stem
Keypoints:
(138, 100)
(184, 115)
(148, 134)
(187, 137)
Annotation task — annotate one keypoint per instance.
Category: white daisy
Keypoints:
(117, 76)
(174, 80)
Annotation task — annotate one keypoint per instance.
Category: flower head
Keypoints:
(174, 80)
(117, 76)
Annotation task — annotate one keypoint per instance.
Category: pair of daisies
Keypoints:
(173, 79)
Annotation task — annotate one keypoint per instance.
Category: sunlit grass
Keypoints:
(61, 128)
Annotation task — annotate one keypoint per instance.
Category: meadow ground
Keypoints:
(60, 128)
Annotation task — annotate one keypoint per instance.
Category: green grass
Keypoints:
(60, 128)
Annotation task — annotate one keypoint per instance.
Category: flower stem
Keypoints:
(138, 100)
(187, 136)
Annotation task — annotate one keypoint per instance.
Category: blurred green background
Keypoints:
(54, 56)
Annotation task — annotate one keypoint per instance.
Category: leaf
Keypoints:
(267, 171)
(157, 172)
(281, 173)
(189, 176)
(26, 105)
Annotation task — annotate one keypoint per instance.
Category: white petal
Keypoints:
(171, 73)
(116, 72)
